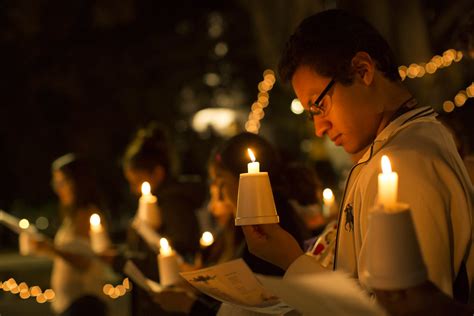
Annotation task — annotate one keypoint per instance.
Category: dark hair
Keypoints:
(302, 183)
(149, 149)
(327, 42)
(232, 155)
(79, 171)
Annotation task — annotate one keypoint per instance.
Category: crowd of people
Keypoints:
(345, 75)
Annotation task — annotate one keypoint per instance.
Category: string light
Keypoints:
(459, 99)
(117, 291)
(257, 110)
(436, 62)
(25, 292)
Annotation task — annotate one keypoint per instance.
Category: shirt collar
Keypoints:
(396, 125)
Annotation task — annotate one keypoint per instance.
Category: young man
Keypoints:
(344, 73)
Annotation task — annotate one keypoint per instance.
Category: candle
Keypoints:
(98, 236)
(168, 264)
(165, 248)
(328, 201)
(206, 240)
(146, 189)
(148, 211)
(254, 166)
(387, 185)
(96, 226)
(255, 204)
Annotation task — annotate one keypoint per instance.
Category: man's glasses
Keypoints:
(317, 109)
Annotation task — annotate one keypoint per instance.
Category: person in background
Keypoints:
(225, 166)
(307, 190)
(78, 276)
(148, 158)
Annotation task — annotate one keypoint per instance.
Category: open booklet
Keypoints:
(234, 283)
(324, 293)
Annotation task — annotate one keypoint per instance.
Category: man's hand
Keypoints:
(273, 244)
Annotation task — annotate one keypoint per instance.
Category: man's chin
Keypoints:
(355, 151)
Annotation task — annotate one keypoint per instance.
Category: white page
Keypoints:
(326, 293)
(233, 282)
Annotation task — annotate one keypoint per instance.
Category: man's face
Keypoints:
(350, 120)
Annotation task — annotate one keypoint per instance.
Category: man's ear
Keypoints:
(363, 68)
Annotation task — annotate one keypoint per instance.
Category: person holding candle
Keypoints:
(344, 73)
(225, 166)
(77, 276)
(148, 158)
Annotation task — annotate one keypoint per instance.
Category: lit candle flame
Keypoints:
(95, 220)
(252, 156)
(24, 223)
(146, 188)
(386, 167)
(207, 239)
(165, 248)
(327, 194)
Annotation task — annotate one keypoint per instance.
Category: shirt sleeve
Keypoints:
(304, 264)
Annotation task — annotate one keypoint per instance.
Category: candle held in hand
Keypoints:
(165, 249)
(99, 239)
(254, 166)
(147, 207)
(94, 220)
(387, 185)
(168, 264)
(206, 240)
(146, 189)
(328, 199)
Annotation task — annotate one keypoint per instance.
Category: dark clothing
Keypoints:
(86, 305)
(177, 201)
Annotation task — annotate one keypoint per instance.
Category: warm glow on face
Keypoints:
(24, 223)
(386, 167)
(95, 219)
(327, 194)
(251, 155)
(146, 188)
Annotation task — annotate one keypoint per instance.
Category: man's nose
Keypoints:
(321, 126)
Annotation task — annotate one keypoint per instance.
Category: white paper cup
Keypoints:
(255, 204)
(149, 212)
(393, 256)
(168, 269)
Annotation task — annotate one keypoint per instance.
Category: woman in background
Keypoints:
(78, 275)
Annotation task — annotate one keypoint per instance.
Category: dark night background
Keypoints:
(83, 76)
